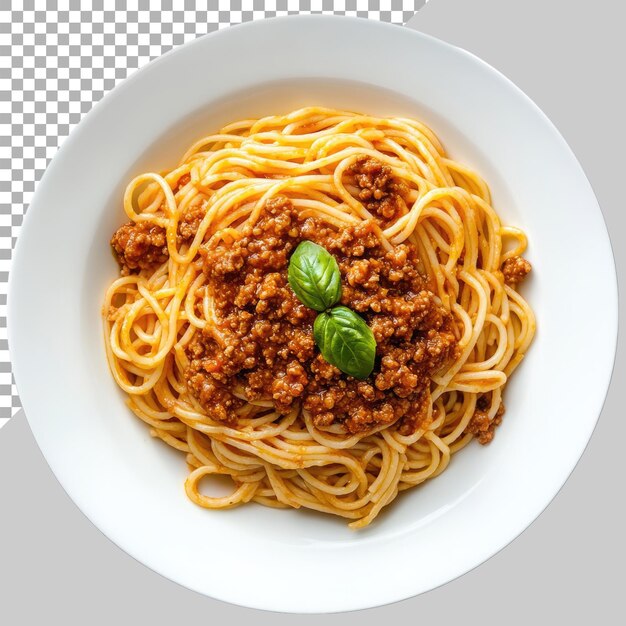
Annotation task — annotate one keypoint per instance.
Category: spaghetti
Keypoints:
(165, 309)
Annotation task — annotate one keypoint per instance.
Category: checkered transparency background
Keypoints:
(58, 58)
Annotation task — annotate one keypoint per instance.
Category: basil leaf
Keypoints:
(314, 276)
(345, 341)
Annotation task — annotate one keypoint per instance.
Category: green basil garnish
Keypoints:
(345, 341)
(343, 337)
(314, 276)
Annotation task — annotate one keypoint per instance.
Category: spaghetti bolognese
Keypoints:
(216, 344)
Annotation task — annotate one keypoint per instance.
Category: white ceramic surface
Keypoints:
(131, 486)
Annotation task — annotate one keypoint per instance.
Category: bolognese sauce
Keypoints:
(263, 343)
(267, 345)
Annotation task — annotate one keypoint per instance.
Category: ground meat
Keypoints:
(480, 426)
(189, 223)
(139, 246)
(515, 270)
(380, 192)
(269, 350)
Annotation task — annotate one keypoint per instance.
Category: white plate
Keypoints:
(131, 486)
